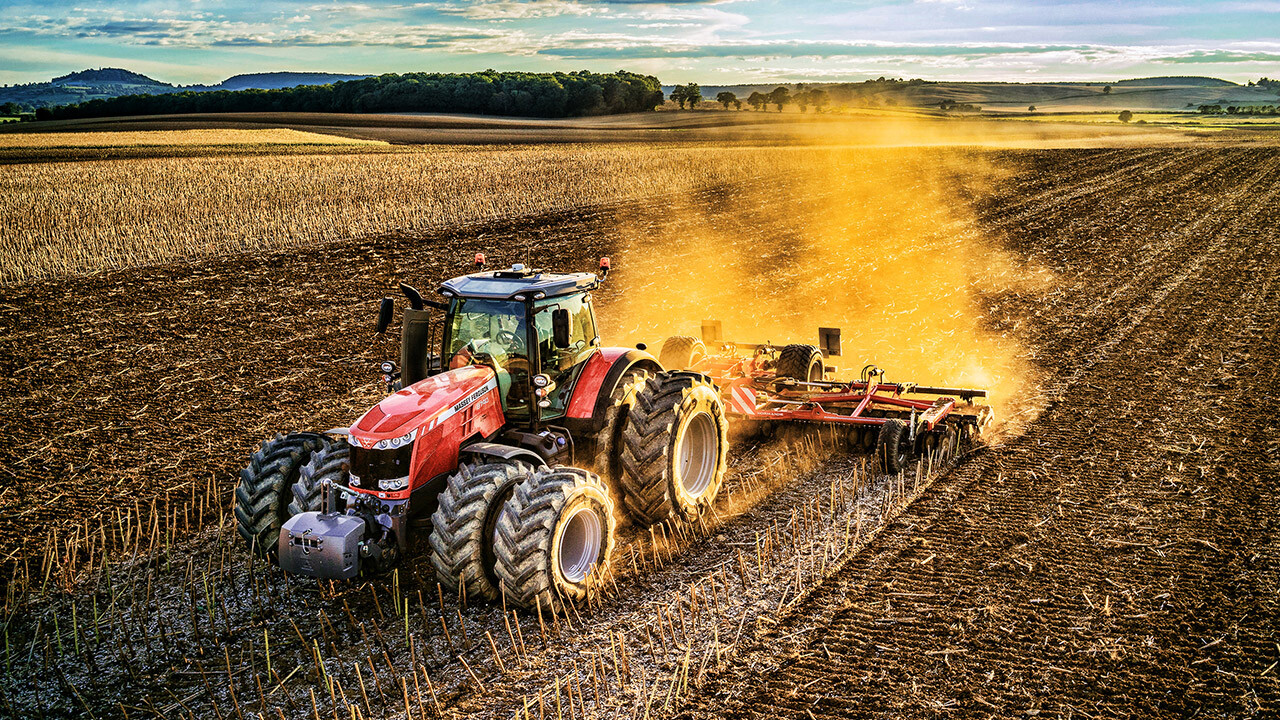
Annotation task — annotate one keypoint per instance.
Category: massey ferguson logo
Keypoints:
(365, 443)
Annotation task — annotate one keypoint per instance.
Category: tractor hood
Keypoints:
(422, 406)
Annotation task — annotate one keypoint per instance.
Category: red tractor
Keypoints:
(508, 439)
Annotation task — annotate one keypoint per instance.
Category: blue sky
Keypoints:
(707, 41)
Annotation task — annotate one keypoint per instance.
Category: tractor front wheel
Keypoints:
(463, 527)
(262, 497)
(674, 449)
(554, 539)
(332, 462)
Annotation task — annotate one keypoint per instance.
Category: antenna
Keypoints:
(528, 245)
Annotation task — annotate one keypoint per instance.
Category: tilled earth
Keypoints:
(1116, 556)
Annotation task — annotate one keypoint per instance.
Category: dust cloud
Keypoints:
(881, 243)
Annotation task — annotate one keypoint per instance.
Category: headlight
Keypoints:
(541, 380)
(394, 484)
(396, 442)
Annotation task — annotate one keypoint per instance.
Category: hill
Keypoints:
(1148, 94)
(107, 83)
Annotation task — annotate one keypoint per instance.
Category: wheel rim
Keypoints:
(815, 371)
(697, 454)
(580, 544)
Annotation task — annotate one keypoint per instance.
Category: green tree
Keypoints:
(727, 98)
(757, 100)
(819, 98)
(1106, 90)
(1125, 116)
(780, 96)
(680, 95)
(1031, 108)
(694, 95)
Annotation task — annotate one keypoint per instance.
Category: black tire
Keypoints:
(605, 444)
(332, 462)
(463, 526)
(800, 362)
(554, 539)
(681, 352)
(893, 446)
(264, 492)
(674, 448)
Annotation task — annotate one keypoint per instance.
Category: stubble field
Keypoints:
(1112, 552)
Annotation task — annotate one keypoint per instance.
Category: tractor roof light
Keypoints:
(539, 295)
(541, 380)
(480, 261)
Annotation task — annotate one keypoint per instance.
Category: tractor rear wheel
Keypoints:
(262, 497)
(606, 442)
(681, 352)
(893, 446)
(800, 362)
(463, 526)
(554, 539)
(332, 462)
(674, 448)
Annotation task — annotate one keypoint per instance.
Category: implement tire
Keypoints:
(332, 462)
(464, 524)
(681, 352)
(674, 448)
(893, 447)
(800, 362)
(264, 492)
(554, 539)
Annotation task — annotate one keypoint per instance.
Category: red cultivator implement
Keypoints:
(763, 385)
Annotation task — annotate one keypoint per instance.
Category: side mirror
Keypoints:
(560, 327)
(384, 313)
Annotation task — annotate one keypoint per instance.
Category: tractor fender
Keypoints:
(599, 378)
(505, 452)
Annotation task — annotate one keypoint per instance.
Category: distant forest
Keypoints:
(491, 93)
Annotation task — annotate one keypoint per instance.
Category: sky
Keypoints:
(705, 41)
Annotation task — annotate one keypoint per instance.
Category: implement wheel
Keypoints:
(800, 362)
(464, 526)
(893, 447)
(674, 448)
(265, 489)
(681, 352)
(554, 538)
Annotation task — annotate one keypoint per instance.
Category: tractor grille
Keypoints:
(372, 466)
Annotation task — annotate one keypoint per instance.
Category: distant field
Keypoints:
(274, 136)
(1159, 118)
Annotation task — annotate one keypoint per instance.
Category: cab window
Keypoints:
(560, 363)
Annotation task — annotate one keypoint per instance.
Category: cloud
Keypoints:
(1219, 56)
(504, 10)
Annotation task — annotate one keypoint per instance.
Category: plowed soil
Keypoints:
(1115, 556)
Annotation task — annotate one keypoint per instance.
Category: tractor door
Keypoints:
(564, 365)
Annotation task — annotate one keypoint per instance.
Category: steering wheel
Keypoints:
(511, 340)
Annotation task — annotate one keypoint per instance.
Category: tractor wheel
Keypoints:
(463, 527)
(674, 448)
(800, 362)
(606, 443)
(681, 352)
(262, 498)
(554, 539)
(329, 463)
(893, 447)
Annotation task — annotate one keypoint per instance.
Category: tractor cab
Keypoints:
(535, 329)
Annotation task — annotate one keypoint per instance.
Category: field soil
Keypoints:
(1114, 553)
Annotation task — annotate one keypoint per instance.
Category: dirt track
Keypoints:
(1119, 557)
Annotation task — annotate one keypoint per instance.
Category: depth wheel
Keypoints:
(893, 446)
(264, 492)
(681, 352)
(674, 449)
(463, 527)
(554, 539)
(800, 362)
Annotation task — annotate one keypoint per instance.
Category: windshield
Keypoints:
(493, 327)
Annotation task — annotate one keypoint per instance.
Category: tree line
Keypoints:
(488, 93)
